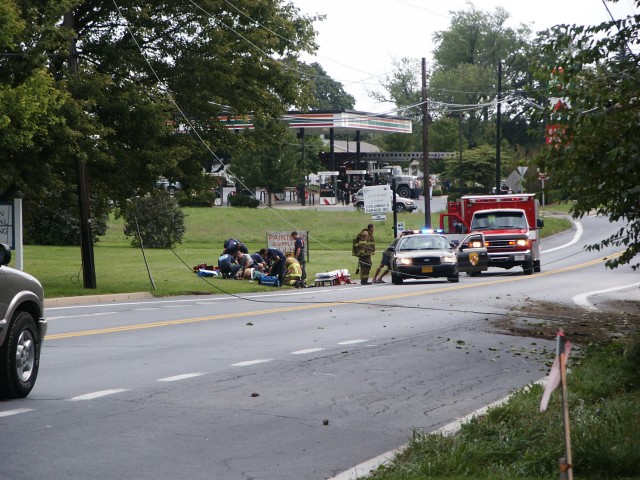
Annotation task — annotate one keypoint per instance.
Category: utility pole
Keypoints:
(302, 188)
(460, 141)
(498, 128)
(86, 236)
(425, 146)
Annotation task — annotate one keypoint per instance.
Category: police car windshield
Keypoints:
(423, 242)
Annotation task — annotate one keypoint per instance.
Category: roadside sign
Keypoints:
(522, 171)
(7, 224)
(282, 241)
(400, 227)
(378, 217)
(377, 199)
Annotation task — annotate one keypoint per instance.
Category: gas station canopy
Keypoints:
(319, 122)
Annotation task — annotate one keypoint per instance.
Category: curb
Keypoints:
(93, 299)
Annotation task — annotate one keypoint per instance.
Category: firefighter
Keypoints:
(365, 247)
(299, 254)
(292, 273)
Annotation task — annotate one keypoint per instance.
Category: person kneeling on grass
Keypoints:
(292, 273)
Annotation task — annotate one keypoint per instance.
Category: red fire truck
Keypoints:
(509, 223)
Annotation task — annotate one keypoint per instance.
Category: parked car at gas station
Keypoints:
(402, 204)
(171, 187)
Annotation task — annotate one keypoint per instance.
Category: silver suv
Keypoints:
(22, 328)
(402, 204)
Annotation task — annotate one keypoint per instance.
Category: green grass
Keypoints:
(561, 207)
(515, 440)
(121, 268)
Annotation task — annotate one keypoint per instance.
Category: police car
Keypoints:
(424, 254)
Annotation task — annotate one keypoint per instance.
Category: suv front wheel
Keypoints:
(20, 357)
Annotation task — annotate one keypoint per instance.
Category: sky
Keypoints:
(359, 39)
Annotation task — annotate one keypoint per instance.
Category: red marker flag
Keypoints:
(555, 374)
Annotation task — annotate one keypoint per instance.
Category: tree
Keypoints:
(463, 80)
(466, 67)
(150, 81)
(154, 220)
(594, 156)
(403, 88)
(267, 156)
(328, 94)
(478, 167)
(30, 104)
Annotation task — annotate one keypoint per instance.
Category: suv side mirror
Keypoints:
(540, 222)
(5, 254)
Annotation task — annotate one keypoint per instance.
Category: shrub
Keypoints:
(202, 199)
(156, 219)
(54, 220)
(243, 201)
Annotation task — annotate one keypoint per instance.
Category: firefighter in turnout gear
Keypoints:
(293, 273)
(365, 248)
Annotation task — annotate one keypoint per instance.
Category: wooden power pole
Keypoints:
(425, 147)
(86, 236)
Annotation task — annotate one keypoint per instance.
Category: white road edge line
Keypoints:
(581, 299)
(101, 393)
(184, 376)
(97, 314)
(352, 342)
(308, 350)
(213, 301)
(365, 468)
(575, 239)
(16, 411)
(251, 362)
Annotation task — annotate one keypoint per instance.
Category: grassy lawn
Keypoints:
(121, 268)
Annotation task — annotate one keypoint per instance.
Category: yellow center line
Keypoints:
(395, 296)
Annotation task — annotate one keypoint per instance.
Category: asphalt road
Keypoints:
(292, 384)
